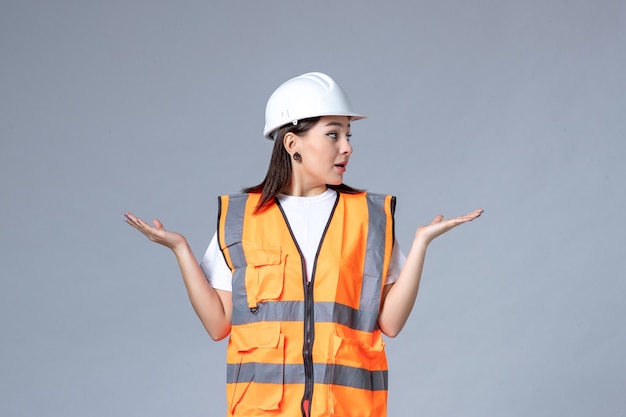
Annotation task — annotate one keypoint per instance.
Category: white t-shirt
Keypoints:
(307, 218)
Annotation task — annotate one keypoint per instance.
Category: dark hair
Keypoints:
(279, 171)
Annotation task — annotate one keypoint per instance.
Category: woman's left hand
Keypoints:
(157, 233)
(439, 226)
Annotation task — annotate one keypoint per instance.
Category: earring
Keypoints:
(297, 157)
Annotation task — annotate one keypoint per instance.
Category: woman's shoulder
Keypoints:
(240, 197)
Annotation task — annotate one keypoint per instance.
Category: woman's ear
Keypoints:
(291, 142)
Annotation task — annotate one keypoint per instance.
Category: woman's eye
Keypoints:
(335, 135)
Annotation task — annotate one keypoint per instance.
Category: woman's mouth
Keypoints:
(342, 166)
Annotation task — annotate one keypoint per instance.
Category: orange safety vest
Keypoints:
(307, 348)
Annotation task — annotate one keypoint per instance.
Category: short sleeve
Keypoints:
(214, 267)
(395, 264)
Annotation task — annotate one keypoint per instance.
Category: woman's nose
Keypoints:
(346, 147)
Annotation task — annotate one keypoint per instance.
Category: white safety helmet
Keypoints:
(308, 95)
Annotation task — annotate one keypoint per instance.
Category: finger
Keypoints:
(470, 216)
(437, 219)
(474, 214)
(130, 219)
(157, 223)
(137, 223)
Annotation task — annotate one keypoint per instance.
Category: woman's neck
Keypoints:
(298, 190)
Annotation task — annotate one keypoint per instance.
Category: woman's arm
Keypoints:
(213, 307)
(399, 297)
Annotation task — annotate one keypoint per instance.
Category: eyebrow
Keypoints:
(337, 124)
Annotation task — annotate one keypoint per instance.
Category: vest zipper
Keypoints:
(309, 319)
(307, 350)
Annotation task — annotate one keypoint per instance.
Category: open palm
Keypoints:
(440, 226)
(156, 233)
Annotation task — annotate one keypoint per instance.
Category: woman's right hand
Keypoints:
(156, 233)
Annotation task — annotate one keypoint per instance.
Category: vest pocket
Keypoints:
(265, 275)
(358, 384)
(258, 379)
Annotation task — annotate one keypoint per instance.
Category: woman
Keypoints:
(303, 272)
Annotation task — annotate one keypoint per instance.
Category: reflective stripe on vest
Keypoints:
(332, 350)
(269, 373)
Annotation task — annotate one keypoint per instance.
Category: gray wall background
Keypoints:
(157, 107)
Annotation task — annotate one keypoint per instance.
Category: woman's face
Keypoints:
(325, 150)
